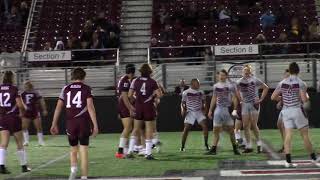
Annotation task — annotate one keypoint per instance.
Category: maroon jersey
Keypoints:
(8, 95)
(31, 100)
(123, 86)
(75, 97)
(144, 88)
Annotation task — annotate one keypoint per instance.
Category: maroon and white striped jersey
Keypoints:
(290, 89)
(248, 88)
(193, 99)
(224, 93)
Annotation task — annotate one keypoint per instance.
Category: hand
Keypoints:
(257, 101)
(132, 111)
(235, 113)
(54, 130)
(210, 114)
(95, 131)
(45, 113)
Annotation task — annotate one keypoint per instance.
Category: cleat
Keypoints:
(290, 165)
(25, 169)
(207, 148)
(72, 176)
(130, 156)
(26, 144)
(150, 157)
(158, 147)
(212, 151)
(239, 141)
(4, 170)
(142, 152)
(120, 155)
(182, 149)
(259, 149)
(247, 150)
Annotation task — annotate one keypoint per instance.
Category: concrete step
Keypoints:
(133, 52)
(136, 21)
(145, 8)
(134, 45)
(135, 33)
(136, 3)
(142, 59)
(135, 27)
(137, 14)
(135, 39)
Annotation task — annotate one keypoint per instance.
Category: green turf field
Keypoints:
(103, 148)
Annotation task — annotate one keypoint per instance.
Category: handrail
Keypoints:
(28, 27)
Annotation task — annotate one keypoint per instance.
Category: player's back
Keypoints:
(290, 89)
(8, 95)
(75, 97)
(144, 88)
(31, 99)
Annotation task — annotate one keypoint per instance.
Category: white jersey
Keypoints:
(193, 99)
(290, 89)
(248, 88)
(224, 92)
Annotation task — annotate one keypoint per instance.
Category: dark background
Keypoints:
(169, 114)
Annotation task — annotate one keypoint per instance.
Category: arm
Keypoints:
(93, 116)
(212, 105)
(54, 127)
(276, 95)
(264, 92)
(125, 97)
(21, 106)
(183, 108)
(43, 107)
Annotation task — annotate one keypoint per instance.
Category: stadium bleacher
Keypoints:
(244, 25)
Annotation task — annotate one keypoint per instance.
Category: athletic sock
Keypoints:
(74, 169)
(205, 138)
(155, 139)
(148, 147)
(122, 144)
(3, 156)
(22, 156)
(288, 158)
(313, 156)
(40, 138)
(249, 145)
(132, 143)
(259, 143)
(26, 135)
(237, 134)
(84, 177)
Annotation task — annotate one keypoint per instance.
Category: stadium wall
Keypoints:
(169, 114)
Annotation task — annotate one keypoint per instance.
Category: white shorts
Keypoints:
(249, 109)
(294, 118)
(193, 116)
(222, 117)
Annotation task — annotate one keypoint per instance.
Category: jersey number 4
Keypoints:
(76, 100)
(4, 100)
(143, 89)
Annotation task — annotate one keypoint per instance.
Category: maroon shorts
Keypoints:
(11, 123)
(78, 128)
(32, 115)
(123, 110)
(145, 112)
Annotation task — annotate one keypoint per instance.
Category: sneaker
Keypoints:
(120, 155)
(182, 149)
(25, 169)
(73, 175)
(150, 157)
(259, 149)
(26, 143)
(4, 170)
(290, 165)
(247, 150)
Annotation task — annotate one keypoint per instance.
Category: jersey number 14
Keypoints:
(76, 100)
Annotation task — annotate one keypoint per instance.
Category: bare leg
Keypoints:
(84, 160)
(185, 133)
